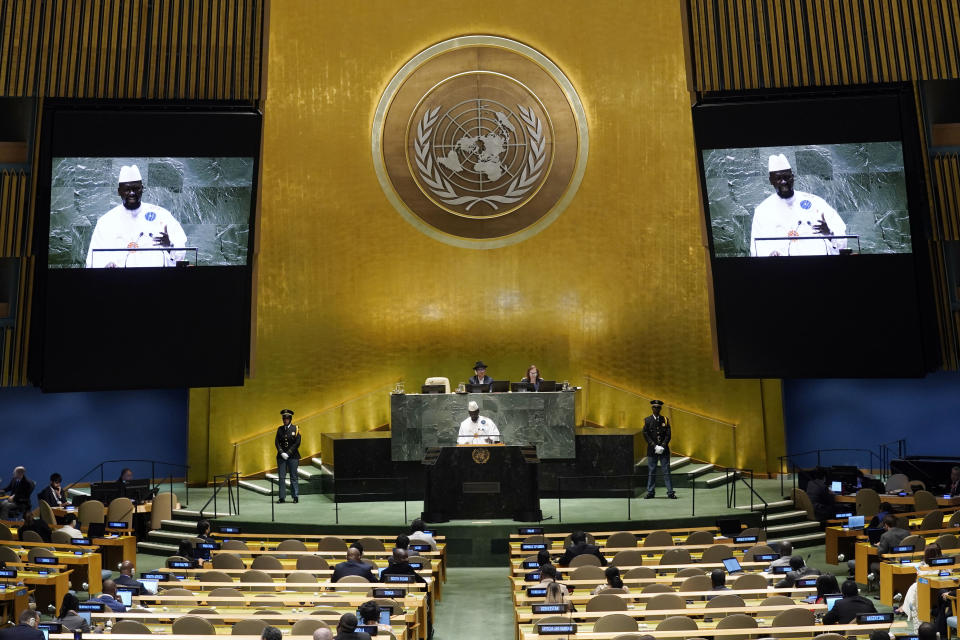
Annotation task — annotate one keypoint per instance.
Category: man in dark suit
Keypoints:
(480, 374)
(845, 610)
(347, 629)
(656, 431)
(126, 579)
(354, 566)
(18, 492)
(798, 569)
(52, 494)
(578, 547)
(399, 566)
(893, 535)
(953, 487)
(26, 630)
(820, 495)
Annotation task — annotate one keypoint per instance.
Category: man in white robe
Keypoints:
(134, 224)
(794, 214)
(477, 429)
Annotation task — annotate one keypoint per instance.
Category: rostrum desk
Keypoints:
(481, 481)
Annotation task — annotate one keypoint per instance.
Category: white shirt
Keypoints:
(73, 532)
(423, 538)
(796, 216)
(122, 228)
(478, 432)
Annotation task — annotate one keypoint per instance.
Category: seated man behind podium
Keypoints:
(846, 609)
(127, 579)
(477, 429)
(354, 566)
(578, 547)
(417, 535)
(400, 566)
(480, 374)
(26, 630)
(798, 569)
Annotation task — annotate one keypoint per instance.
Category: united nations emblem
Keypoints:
(481, 456)
(480, 141)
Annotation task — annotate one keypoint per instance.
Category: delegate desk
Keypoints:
(896, 498)
(529, 632)
(481, 481)
(50, 582)
(422, 421)
(13, 602)
(84, 560)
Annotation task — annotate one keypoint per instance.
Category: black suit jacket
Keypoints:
(822, 498)
(46, 494)
(890, 539)
(656, 431)
(349, 568)
(288, 440)
(486, 380)
(21, 492)
(846, 609)
(790, 578)
(21, 632)
(402, 569)
(129, 581)
(578, 550)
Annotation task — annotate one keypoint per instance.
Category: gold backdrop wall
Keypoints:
(350, 297)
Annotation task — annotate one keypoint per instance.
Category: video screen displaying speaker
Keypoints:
(816, 224)
(144, 228)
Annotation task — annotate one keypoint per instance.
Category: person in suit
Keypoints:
(288, 455)
(578, 546)
(38, 526)
(26, 630)
(347, 629)
(820, 495)
(70, 526)
(126, 578)
(108, 596)
(399, 566)
(126, 475)
(846, 608)
(548, 576)
(16, 494)
(69, 618)
(52, 494)
(953, 487)
(785, 550)
(353, 566)
(893, 535)
(532, 377)
(798, 569)
(656, 431)
(480, 374)
(718, 582)
(418, 536)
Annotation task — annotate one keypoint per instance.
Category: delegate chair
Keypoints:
(795, 617)
(725, 601)
(228, 561)
(918, 543)
(868, 502)
(737, 621)
(31, 536)
(676, 556)
(896, 483)
(193, 626)
(39, 552)
(8, 555)
(615, 622)
(131, 627)
(829, 636)
(255, 575)
(46, 513)
(311, 563)
(801, 501)
(227, 592)
(90, 511)
(695, 583)
(628, 558)
(291, 545)
(750, 581)
(372, 544)
(6, 534)
(248, 628)
(754, 551)
(716, 553)
(60, 537)
(778, 601)
(699, 537)
(621, 539)
(589, 573)
(607, 602)
(306, 626)
(657, 587)
(585, 560)
(923, 500)
(332, 543)
(688, 572)
(266, 563)
(658, 539)
(640, 572)
(162, 508)
(121, 510)
(234, 545)
(434, 380)
(948, 541)
(931, 521)
(664, 601)
(678, 623)
(308, 580)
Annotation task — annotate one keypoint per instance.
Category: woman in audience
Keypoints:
(826, 584)
(69, 617)
(30, 523)
(533, 377)
(556, 594)
(613, 581)
(909, 605)
(548, 575)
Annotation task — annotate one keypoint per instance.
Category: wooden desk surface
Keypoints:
(522, 599)
(527, 632)
(894, 498)
(528, 617)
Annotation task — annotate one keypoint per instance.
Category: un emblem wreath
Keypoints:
(497, 166)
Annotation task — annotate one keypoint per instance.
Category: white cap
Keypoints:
(779, 163)
(130, 174)
(473, 406)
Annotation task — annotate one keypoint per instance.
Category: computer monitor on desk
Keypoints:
(477, 388)
(500, 386)
(521, 386)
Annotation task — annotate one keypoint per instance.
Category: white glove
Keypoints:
(284, 455)
(658, 449)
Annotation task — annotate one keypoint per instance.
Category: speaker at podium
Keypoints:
(481, 481)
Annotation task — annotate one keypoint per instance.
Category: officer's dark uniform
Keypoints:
(656, 431)
(288, 441)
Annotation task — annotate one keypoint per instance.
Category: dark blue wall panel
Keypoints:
(855, 414)
(71, 432)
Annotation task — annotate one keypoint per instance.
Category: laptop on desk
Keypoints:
(856, 522)
(874, 535)
(732, 565)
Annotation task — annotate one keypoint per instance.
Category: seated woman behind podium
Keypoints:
(533, 377)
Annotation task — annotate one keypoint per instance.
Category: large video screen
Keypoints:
(808, 200)
(816, 226)
(145, 223)
(149, 212)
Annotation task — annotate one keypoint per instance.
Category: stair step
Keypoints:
(785, 515)
(195, 515)
(179, 524)
(793, 526)
(805, 539)
(173, 536)
(317, 462)
(157, 548)
(308, 472)
(696, 471)
(779, 504)
(720, 479)
(250, 485)
(678, 462)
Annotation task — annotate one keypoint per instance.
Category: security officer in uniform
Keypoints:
(288, 455)
(656, 431)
